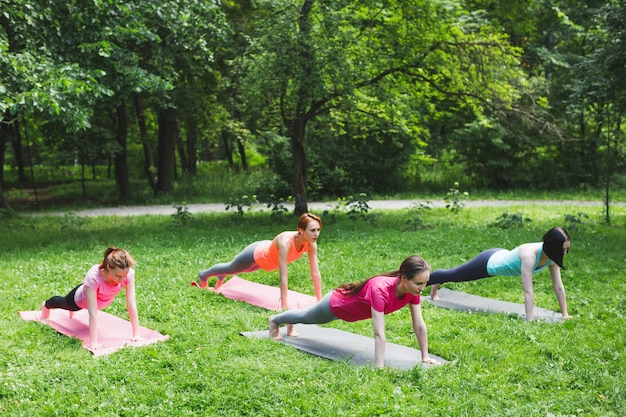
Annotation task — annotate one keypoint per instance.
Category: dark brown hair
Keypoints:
(410, 268)
(116, 258)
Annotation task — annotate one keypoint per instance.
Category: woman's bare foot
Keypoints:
(45, 311)
(434, 292)
(274, 329)
(291, 332)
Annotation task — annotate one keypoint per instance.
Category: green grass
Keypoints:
(503, 366)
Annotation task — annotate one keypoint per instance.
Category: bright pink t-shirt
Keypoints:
(266, 254)
(106, 293)
(378, 293)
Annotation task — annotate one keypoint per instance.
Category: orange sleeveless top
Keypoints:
(266, 254)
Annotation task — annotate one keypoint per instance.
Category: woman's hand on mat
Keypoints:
(136, 339)
(96, 346)
(431, 361)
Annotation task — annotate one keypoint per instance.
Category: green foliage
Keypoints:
(575, 221)
(416, 217)
(401, 96)
(454, 198)
(357, 208)
(277, 208)
(182, 216)
(508, 221)
(71, 221)
(240, 205)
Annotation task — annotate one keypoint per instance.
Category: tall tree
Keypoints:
(312, 55)
(34, 78)
(601, 91)
(186, 35)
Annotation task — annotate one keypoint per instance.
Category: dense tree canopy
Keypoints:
(338, 97)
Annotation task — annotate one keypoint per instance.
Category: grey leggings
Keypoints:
(244, 262)
(318, 313)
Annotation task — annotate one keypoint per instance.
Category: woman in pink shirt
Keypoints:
(98, 290)
(371, 298)
(271, 255)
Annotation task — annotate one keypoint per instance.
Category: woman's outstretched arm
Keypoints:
(421, 333)
(380, 340)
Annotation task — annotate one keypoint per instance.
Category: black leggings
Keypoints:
(469, 271)
(66, 303)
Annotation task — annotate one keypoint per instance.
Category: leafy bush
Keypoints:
(182, 215)
(454, 198)
(507, 221)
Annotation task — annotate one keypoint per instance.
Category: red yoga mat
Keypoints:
(114, 333)
(262, 295)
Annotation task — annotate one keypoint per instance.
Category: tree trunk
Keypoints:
(297, 125)
(165, 157)
(4, 129)
(242, 153)
(192, 145)
(184, 166)
(227, 148)
(16, 141)
(609, 169)
(82, 178)
(145, 142)
(121, 160)
(300, 166)
(31, 162)
(4, 204)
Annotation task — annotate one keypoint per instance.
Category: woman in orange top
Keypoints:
(271, 255)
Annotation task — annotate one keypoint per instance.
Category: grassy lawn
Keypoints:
(503, 366)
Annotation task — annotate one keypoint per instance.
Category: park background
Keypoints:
(265, 106)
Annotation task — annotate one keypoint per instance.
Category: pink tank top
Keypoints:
(266, 254)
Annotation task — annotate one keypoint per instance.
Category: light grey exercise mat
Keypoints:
(337, 344)
(461, 301)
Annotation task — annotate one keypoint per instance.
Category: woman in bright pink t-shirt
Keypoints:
(101, 284)
(371, 298)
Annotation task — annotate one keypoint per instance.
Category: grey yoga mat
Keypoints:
(337, 344)
(461, 301)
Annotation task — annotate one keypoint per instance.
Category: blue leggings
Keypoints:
(66, 303)
(244, 262)
(469, 271)
(318, 313)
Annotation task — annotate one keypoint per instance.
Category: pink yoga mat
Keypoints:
(262, 295)
(113, 332)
